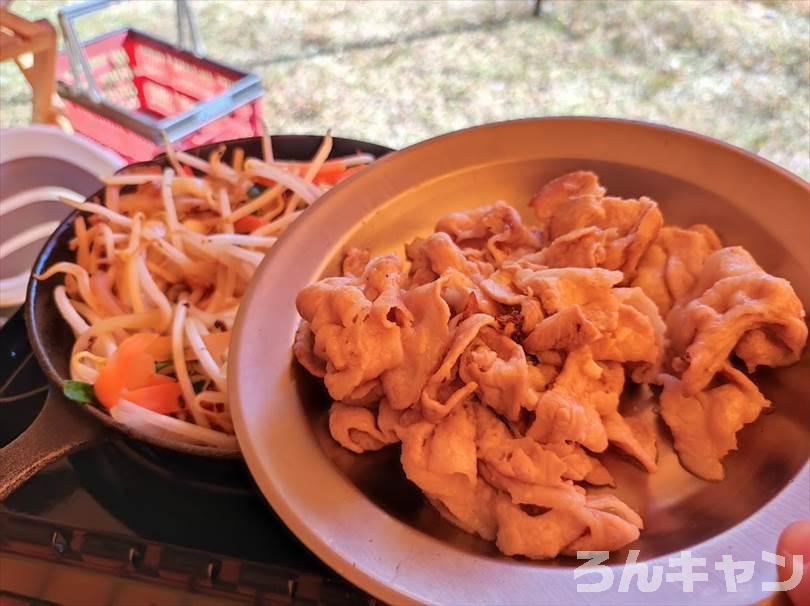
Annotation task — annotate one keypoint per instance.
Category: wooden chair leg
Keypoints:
(32, 45)
(43, 84)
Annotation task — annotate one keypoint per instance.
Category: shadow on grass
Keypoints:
(490, 24)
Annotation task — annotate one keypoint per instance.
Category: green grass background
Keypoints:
(398, 72)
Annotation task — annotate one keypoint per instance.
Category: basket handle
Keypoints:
(80, 67)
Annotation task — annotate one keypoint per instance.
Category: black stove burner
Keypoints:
(220, 476)
(151, 513)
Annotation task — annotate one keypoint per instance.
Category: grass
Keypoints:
(398, 72)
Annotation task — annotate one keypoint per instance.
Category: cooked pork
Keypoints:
(499, 358)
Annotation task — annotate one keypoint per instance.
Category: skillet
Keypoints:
(64, 426)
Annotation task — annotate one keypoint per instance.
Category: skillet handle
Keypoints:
(59, 429)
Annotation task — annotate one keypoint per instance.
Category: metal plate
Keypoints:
(362, 517)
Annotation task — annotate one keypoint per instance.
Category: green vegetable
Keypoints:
(199, 385)
(79, 391)
(163, 364)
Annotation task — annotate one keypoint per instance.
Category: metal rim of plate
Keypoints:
(376, 551)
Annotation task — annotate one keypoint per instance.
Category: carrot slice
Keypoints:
(158, 379)
(350, 171)
(138, 369)
(163, 398)
(327, 178)
(137, 343)
(161, 348)
(217, 343)
(109, 385)
(332, 166)
(129, 367)
(246, 225)
(332, 177)
(263, 181)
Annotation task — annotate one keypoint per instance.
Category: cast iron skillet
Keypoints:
(64, 426)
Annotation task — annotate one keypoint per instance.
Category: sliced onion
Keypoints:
(162, 426)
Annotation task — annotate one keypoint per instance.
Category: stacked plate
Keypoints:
(38, 165)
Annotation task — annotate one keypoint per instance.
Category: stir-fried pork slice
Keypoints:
(424, 342)
(391, 421)
(582, 247)
(421, 271)
(576, 201)
(539, 537)
(634, 335)
(567, 329)
(705, 424)
(351, 321)
(732, 297)
(303, 346)
(490, 430)
(648, 370)
(499, 287)
(560, 417)
(472, 509)
(728, 262)
(355, 428)
(633, 436)
(570, 410)
(497, 365)
(528, 472)
(629, 226)
(639, 336)
(580, 466)
(438, 402)
(604, 523)
(435, 456)
(463, 295)
(497, 228)
(432, 256)
(668, 270)
(355, 261)
(441, 459)
(559, 288)
(531, 313)
(611, 525)
(759, 347)
(588, 381)
(598, 386)
(558, 192)
(368, 394)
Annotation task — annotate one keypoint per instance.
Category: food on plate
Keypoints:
(671, 265)
(704, 424)
(734, 306)
(498, 355)
(160, 268)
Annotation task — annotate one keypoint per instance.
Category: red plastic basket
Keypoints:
(149, 87)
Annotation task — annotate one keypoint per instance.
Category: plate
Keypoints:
(360, 515)
(38, 165)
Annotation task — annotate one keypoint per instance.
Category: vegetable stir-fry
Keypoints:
(160, 269)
